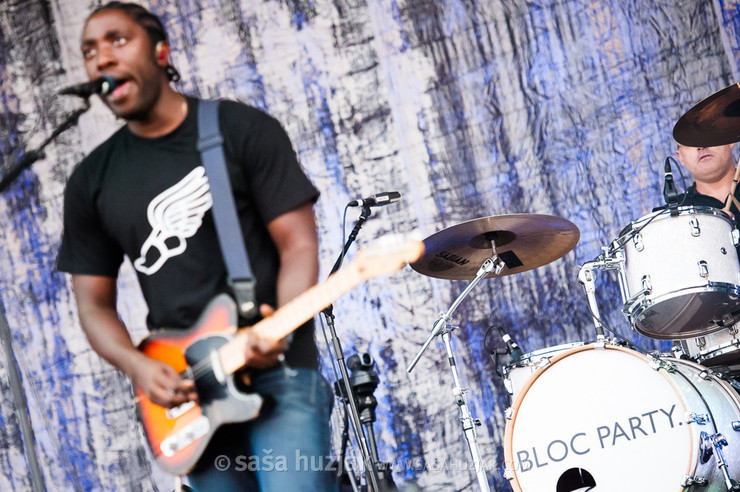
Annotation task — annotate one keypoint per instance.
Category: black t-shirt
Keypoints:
(693, 197)
(149, 199)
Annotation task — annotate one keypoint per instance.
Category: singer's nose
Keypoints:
(104, 58)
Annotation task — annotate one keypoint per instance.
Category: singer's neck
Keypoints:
(168, 112)
(717, 189)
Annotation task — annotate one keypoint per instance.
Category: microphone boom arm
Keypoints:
(16, 167)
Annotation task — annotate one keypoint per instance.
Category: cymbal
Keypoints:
(712, 122)
(523, 242)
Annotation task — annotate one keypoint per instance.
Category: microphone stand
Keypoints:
(368, 458)
(6, 337)
(32, 156)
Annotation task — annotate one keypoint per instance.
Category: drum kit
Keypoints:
(604, 414)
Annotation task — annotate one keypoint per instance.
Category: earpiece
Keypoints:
(161, 51)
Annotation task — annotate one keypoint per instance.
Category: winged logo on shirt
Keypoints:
(175, 215)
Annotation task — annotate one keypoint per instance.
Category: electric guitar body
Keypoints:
(213, 350)
(178, 436)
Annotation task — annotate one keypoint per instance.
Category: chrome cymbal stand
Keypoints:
(442, 327)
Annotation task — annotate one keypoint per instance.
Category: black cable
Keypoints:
(706, 405)
(683, 180)
(492, 352)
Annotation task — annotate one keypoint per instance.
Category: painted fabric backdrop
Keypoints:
(469, 108)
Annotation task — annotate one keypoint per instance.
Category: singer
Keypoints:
(143, 194)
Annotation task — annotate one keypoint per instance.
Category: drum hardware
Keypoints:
(442, 327)
(587, 279)
(516, 374)
(691, 481)
(706, 447)
(664, 296)
(500, 245)
(697, 418)
(713, 444)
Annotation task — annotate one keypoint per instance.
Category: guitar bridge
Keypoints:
(185, 436)
(179, 411)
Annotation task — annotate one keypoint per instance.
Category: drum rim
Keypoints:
(634, 308)
(528, 356)
(508, 430)
(700, 209)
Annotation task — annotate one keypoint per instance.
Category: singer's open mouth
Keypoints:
(123, 87)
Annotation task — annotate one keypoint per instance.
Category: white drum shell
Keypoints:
(690, 266)
(718, 349)
(609, 411)
(517, 374)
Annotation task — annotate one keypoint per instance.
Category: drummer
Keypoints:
(712, 169)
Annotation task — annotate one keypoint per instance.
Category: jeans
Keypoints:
(285, 449)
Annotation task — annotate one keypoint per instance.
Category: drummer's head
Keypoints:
(707, 164)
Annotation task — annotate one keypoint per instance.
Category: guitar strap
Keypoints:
(230, 238)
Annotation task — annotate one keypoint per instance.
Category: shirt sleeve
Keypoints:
(85, 248)
(276, 180)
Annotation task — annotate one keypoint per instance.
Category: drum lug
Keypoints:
(542, 363)
(637, 241)
(509, 413)
(703, 269)
(695, 230)
(657, 364)
(509, 386)
(706, 374)
(697, 418)
(735, 237)
(736, 425)
(508, 474)
(690, 481)
(647, 285)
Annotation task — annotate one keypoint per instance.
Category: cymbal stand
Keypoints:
(442, 327)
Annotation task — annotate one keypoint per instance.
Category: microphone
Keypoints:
(514, 351)
(102, 85)
(669, 188)
(377, 200)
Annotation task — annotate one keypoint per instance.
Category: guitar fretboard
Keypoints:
(290, 316)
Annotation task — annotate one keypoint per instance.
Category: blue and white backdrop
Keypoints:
(470, 108)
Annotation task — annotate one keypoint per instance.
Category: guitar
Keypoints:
(213, 349)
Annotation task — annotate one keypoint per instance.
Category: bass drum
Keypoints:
(518, 373)
(607, 417)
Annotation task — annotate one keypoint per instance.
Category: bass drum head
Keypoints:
(606, 415)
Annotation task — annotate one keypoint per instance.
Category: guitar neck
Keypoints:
(290, 316)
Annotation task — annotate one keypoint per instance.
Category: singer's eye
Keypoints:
(88, 53)
(119, 41)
